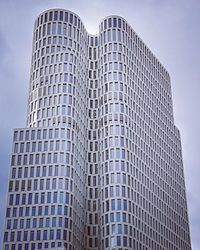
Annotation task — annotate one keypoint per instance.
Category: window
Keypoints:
(59, 209)
(51, 234)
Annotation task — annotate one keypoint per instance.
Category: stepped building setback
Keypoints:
(99, 164)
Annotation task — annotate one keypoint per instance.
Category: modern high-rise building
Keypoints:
(99, 164)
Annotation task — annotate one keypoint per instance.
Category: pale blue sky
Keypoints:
(171, 30)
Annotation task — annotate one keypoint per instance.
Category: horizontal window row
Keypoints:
(56, 68)
(52, 112)
(35, 223)
(55, 59)
(26, 211)
(40, 184)
(52, 101)
(41, 134)
(39, 198)
(33, 236)
(41, 171)
(42, 146)
(42, 158)
(34, 246)
(59, 15)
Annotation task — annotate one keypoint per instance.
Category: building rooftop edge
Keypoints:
(95, 35)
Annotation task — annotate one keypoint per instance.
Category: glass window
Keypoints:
(118, 217)
(53, 210)
(51, 234)
(59, 209)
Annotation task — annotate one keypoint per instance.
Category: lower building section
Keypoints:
(46, 197)
(52, 206)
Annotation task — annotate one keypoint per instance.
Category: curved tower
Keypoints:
(99, 164)
(142, 191)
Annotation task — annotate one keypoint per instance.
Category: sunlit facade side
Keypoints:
(99, 164)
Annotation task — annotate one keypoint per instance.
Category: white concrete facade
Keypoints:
(99, 164)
